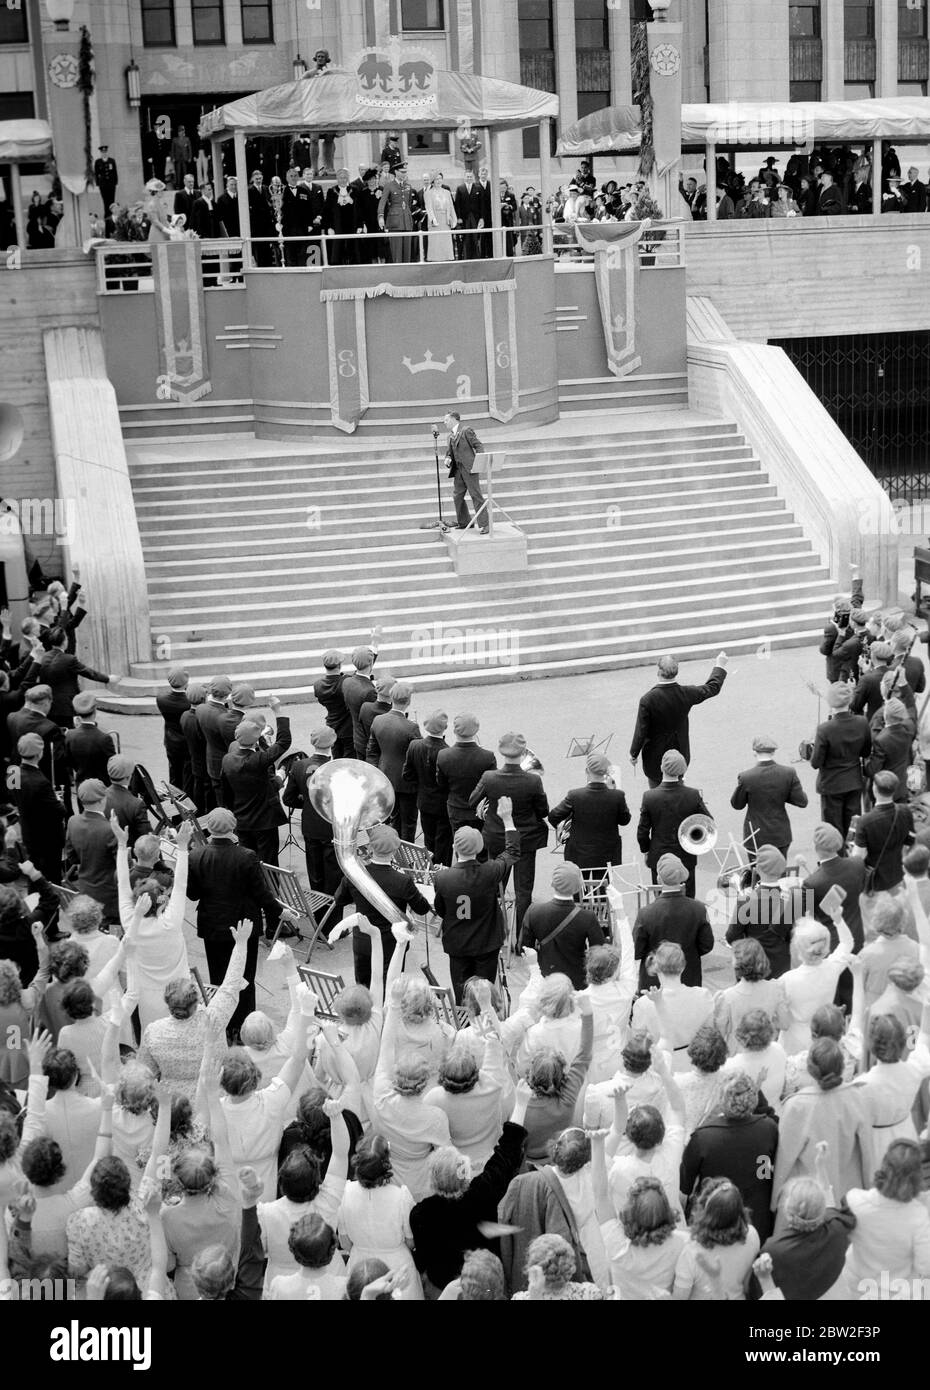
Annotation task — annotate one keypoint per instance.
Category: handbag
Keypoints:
(869, 884)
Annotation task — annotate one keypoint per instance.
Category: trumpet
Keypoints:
(353, 796)
(697, 834)
(530, 762)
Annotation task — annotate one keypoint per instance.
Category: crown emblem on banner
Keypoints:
(396, 77)
(429, 364)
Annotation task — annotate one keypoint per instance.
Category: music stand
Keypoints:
(186, 811)
(291, 841)
(306, 903)
(484, 467)
(142, 786)
(415, 861)
(581, 747)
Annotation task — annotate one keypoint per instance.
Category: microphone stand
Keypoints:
(441, 524)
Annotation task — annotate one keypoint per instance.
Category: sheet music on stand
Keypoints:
(414, 860)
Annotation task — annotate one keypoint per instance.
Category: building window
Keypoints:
(804, 20)
(531, 141)
(209, 24)
(158, 24)
(912, 19)
(858, 91)
(804, 91)
(859, 19)
(535, 18)
(427, 141)
(421, 14)
(912, 89)
(592, 28)
(14, 27)
(591, 101)
(257, 21)
(17, 106)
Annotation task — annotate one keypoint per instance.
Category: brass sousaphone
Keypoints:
(353, 796)
(697, 834)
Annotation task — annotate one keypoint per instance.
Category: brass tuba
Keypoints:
(353, 796)
(530, 763)
(697, 834)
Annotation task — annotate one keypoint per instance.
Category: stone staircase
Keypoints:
(646, 536)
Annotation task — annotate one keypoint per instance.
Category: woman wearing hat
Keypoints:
(784, 204)
(440, 212)
(156, 211)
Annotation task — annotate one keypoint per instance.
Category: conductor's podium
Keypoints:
(500, 550)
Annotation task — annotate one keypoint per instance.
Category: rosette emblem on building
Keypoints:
(397, 78)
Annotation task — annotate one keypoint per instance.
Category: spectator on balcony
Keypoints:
(891, 167)
(830, 199)
(725, 206)
(205, 216)
(914, 192)
(860, 197)
(893, 200)
(807, 195)
(769, 176)
(784, 205)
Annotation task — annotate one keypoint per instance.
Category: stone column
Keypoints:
(566, 62)
(832, 35)
(886, 49)
(621, 76)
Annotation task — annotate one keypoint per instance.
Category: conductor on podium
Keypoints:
(464, 444)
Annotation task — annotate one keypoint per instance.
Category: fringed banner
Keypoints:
(500, 326)
(412, 291)
(180, 319)
(616, 271)
(348, 362)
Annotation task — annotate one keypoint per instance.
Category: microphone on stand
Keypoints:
(440, 525)
(435, 431)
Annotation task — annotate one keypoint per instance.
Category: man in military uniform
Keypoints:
(106, 178)
(395, 214)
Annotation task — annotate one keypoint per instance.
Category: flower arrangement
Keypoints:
(646, 208)
(131, 224)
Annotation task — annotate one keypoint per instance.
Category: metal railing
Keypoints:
(126, 267)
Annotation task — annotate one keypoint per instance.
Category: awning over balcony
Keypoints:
(383, 95)
(767, 125)
(25, 141)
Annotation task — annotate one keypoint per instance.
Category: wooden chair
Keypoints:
(326, 988)
(306, 903)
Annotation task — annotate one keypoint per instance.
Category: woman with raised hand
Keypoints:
(808, 1250)
(161, 954)
(760, 1056)
(361, 1009)
(702, 1086)
(374, 1215)
(720, 1228)
(17, 1008)
(813, 982)
(642, 1242)
(475, 1094)
(174, 1044)
(557, 1086)
(826, 1108)
(642, 1144)
(612, 974)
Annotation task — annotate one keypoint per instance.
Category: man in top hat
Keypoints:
(459, 770)
(562, 929)
(171, 705)
(661, 814)
(106, 177)
(768, 175)
(250, 785)
(383, 843)
(227, 207)
(529, 808)
(391, 735)
(391, 154)
(323, 872)
(842, 745)
(90, 848)
(662, 716)
(211, 716)
(128, 809)
(41, 814)
(594, 812)
(359, 689)
(226, 881)
(767, 912)
(89, 749)
(848, 873)
(468, 901)
(328, 692)
(764, 792)
(672, 917)
(395, 214)
(420, 769)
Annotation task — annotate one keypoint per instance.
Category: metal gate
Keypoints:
(877, 389)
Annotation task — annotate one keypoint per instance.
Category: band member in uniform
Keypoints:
(459, 768)
(672, 917)
(420, 767)
(391, 736)
(468, 902)
(763, 792)
(323, 872)
(594, 812)
(661, 814)
(529, 808)
(842, 744)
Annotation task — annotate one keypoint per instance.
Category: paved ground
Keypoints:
(768, 693)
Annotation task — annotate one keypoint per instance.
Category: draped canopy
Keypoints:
(25, 141)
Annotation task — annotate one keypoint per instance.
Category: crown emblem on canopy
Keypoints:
(429, 364)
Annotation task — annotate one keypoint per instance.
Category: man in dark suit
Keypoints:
(41, 814)
(89, 749)
(250, 785)
(594, 812)
(90, 849)
(470, 208)
(56, 669)
(883, 834)
(196, 781)
(106, 177)
(847, 873)
(391, 736)
(369, 711)
(830, 199)
(395, 214)
(171, 705)
(468, 902)
(891, 745)
(296, 218)
(33, 719)
(763, 792)
(559, 934)
(529, 809)
(129, 810)
(323, 872)
(211, 716)
(328, 692)
(459, 769)
(867, 698)
(662, 811)
(464, 444)
(662, 717)
(672, 917)
(226, 881)
(915, 192)
(420, 769)
(184, 200)
(205, 216)
(357, 690)
(768, 912)
(485, 243)
(227, 205)
(261, 220)
(841, 746)
(383, 843)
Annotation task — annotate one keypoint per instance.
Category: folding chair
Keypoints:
(141, 785)
(185, 810)
(307, 903)
(207, 990)
(65, 896)
(326, 988)
(455, 1016)
(596, 881)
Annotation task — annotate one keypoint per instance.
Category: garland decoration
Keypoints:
(642, 97)
(86, 87)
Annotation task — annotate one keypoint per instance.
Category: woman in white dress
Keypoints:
(161, 953)
(441, 218)
(672, 1013)
(889, 1248)
(559, 1023)
(156, 211)
(760, 1056)
(374, 1216)
(890, 1086)
(813, 983)
(304, 1192)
